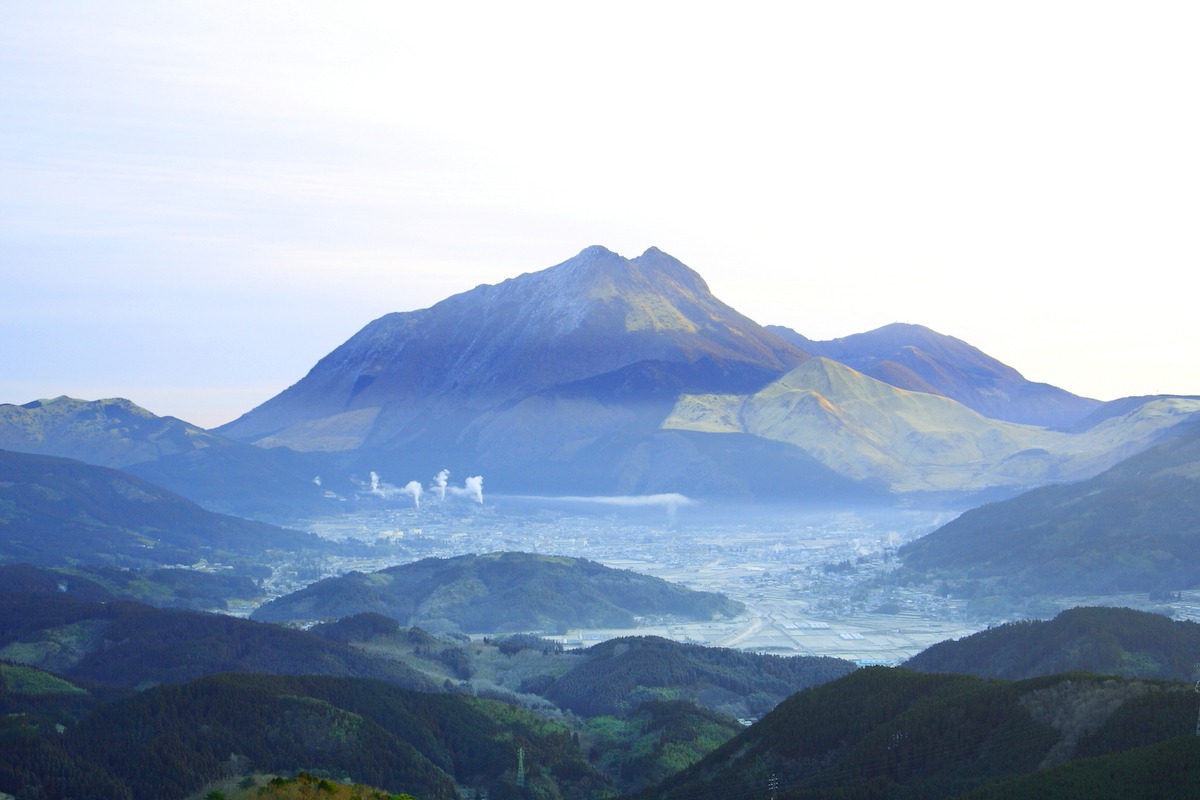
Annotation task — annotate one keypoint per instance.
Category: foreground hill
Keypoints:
(866, 429)
(882, 732)
(917, 359)
(213, 471)
(128, 644)
(170, 741)
(612, 678)
(499, 592)
(1136, 527)
(617, 676)
(57, 511)
(1106, 641)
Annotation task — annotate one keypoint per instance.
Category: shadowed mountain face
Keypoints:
(524, 374)
(57, 511)
(218, 473)
(918, 359)
(1132, 528)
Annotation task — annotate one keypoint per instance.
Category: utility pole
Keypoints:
(1197, 668)
(521, 765)
(773, 785)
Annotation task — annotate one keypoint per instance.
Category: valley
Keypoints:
(811, 580)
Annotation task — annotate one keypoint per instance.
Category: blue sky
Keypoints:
(200, 200)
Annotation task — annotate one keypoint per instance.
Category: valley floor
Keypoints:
(814, 582)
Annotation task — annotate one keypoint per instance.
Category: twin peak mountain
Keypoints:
(612, 375)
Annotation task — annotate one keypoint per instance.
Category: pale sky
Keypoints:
(199, 200)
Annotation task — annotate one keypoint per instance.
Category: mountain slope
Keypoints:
(866, 429)
(518, 378)
(57, 511)
(499, 592)
(882, 732)
(128, 644)
(918, 359)
(1132, 528)
(216, 472)
(1106, 641)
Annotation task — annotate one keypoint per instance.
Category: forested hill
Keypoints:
(169, 741)
(499, 592)
(616, 676)
(57, 511)
(1107, 641)
(886, 732)
(129, 644)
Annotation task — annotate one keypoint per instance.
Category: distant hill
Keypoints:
(128, 644)
(865, 429)
(166, 588)
(213, 471)
(1136, 527)
(57, 512)
(617, 676)
(917, 359)
(883, 732)
(499, 592)
(1106, 641)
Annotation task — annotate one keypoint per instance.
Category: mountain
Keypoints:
(57, 512)
(885, 732)
(214, 471)
(1106, 641)
(499, 592)
(917, 359)
(547, 380)
(1132, 528)
(865, 429)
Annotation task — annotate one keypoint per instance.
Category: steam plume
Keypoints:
(439, 483)
(472, 487)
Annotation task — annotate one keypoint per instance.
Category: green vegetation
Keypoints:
(882, 732)
(1108, 641)
(128, 644)
(1132, 528)
(500, 592)
(59, 512)
(304, 786)
(617, 676)
(655, 741)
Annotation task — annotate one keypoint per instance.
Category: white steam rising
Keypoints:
(471, 489)
(439, 483)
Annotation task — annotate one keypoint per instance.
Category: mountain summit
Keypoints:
(462, 375)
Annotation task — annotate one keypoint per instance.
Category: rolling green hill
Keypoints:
(1106, 641)
(617, 676)
(128, 644)
(499, 592)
